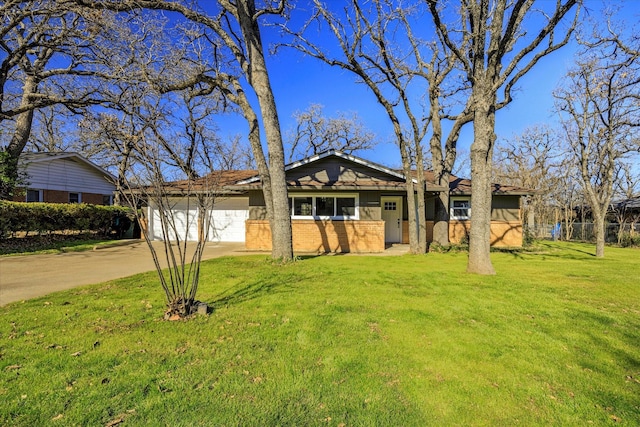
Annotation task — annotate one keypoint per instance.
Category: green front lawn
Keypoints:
(553, 339)
(52, 243)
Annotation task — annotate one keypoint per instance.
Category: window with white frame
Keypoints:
(75, 198)
(460, 209)
(34, 195)
(343, 206)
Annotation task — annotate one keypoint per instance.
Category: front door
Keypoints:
(392, 217)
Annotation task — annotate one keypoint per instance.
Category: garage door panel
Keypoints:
(184, 218)
(228, 218)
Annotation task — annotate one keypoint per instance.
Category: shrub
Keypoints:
(49, 217)
(627, 240)
(528, 238)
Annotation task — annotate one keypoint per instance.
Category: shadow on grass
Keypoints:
(303, 257)
(257, 289)
(567, 252)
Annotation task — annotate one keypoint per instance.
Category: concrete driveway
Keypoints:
(31, 276)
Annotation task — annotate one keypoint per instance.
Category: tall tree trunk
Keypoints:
(258, 76)
(441, 174)
(599, 225)
(481, 167)
(441, 214)
(411, 201)
(421, 214)
(21, 133)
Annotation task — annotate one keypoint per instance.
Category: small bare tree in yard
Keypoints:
(178, 207)
(600, 113)
(173, 175)
(161, 141)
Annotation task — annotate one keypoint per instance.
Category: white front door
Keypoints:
(392, 217)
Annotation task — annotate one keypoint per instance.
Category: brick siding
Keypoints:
(57, 196)
(321, 236)
(503, 233)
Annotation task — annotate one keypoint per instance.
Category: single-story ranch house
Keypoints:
(340, 203)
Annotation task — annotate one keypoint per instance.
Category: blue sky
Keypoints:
(298, 81)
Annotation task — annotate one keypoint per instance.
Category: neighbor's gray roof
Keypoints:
(631, 203)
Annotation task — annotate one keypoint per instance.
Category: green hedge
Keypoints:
(49, 217)
(629, 240)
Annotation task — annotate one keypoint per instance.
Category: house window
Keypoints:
(390, 206)
(324, 206)
(75, 198)
(107, 200)
(34, 195)
(346, 207)
(460, 209)
(302, 206)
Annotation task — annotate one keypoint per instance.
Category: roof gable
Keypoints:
(34, 158)
(333, 169)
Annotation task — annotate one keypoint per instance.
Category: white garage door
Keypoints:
(227, 219)
(185, 218)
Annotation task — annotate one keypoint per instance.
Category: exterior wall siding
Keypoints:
(320, 236)
(505, 208)
(334, 170)
(67, 175)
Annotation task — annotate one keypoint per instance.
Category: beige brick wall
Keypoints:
(321, 236)
(503, 233)
(365, 236)
(405, 232)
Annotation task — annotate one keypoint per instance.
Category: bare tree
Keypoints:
(177, 207)
(161, 145)
(52, 130)
(600, 113)
(377, 44)
(627, 185)
(234, 34)
(49, 55)
(315, 133)
(535, 159)
(483, 39)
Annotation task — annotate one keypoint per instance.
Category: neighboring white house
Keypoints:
(64, 177)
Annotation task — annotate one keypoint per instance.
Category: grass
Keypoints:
(552, 339)
(51, 243)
